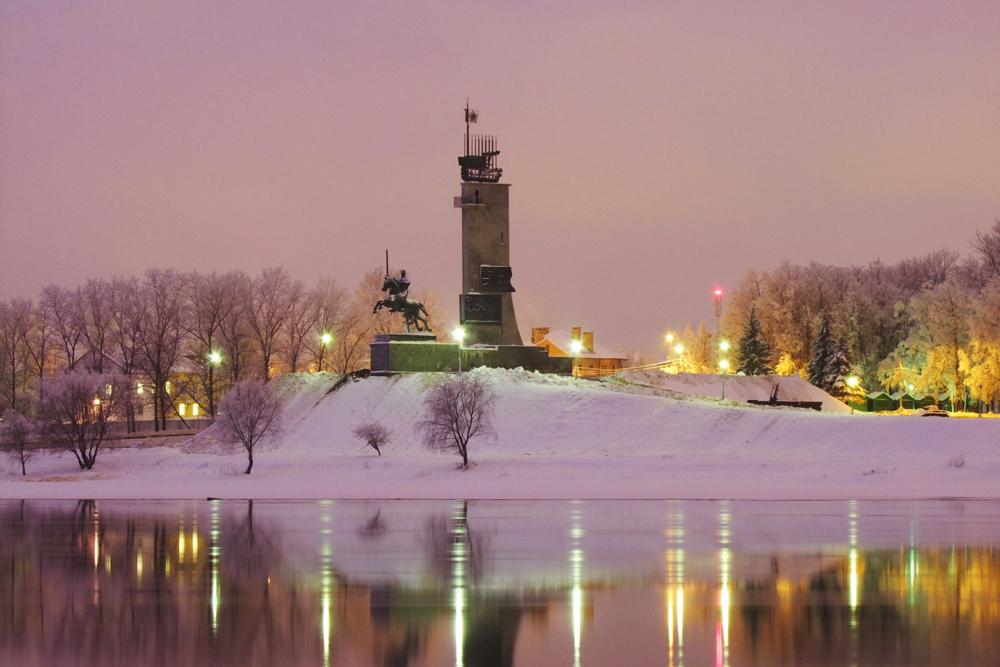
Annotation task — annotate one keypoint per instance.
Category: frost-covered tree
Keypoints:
(17, 432)
(838, 369)
(374, 434)
(822, 353)
(459, 408)
(78, 406)
(753, 355)
(251, 415)
(700, 349)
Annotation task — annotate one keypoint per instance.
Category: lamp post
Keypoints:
(980, 406)
(852, 382)
(718, 309)
(459, 335)
(214, 359)
(724, 365)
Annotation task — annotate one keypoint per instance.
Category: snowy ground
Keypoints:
(556, 438)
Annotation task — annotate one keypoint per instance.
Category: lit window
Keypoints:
(194, 410)
(139, 389)
(168, 387)
(180, 409)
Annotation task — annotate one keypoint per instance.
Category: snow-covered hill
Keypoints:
(738, 388)
(557, 437)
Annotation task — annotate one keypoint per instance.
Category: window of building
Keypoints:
(194, 409)
(180, 409)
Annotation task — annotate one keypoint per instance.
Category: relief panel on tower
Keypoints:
(481, 309)
(495, 279)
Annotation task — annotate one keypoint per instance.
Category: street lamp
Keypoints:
(669, 337)
(326, 339)
(458, 334)
(852, 382)
(679, 349)
(214, 358)
(724, 346)
(577, 347)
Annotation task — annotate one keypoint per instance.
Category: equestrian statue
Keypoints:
(397, 302)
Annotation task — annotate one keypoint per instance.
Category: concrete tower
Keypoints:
(486, 306)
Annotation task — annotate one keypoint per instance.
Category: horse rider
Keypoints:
(399, 300)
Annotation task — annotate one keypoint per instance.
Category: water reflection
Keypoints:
(483, 584)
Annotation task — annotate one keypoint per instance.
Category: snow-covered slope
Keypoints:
(557, 437)
(738, 388)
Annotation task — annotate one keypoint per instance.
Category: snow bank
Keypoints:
(738, 388)
(557, 437)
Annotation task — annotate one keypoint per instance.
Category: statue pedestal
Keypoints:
(412, 353)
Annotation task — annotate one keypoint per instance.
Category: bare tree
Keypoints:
(374, 434)
(17, 431)
(160, 335)
(16, 318)
(77, 408)
(299, 325)
(64, 311)
(352, 338)
(237, 338)
(251, 415)
(459, 408)
(987, 244)
(97, 318)
(270, 304)
(127, 311)
(211, 299)
(330, 300)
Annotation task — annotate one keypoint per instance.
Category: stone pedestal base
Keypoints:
(412, 353)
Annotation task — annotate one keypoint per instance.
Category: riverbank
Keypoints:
(557, 438)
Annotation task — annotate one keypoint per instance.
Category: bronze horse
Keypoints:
(398, 303)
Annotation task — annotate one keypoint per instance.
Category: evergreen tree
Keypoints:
(837, 370)
(822, 354)
(752, 353)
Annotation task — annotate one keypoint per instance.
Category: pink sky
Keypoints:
(656, 150)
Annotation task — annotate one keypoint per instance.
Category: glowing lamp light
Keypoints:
(215, 358)
(577, 347)
(679, 349)
(97, 401)
(724, 346)
(458, 334)
(326, 339)
(724, 364)
(670, 338)
(718, 292)
(852, 382)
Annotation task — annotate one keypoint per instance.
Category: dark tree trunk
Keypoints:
(250, 466)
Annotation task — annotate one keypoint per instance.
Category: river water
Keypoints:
(528, 583)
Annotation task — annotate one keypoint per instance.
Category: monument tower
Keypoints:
(486, 306)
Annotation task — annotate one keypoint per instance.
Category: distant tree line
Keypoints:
(932, 323)
(172, 337)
